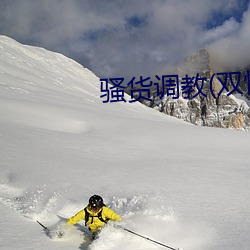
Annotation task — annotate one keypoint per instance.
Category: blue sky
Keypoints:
(126, 38)
(218, 17)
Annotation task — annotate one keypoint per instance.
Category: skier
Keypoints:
(95, 214)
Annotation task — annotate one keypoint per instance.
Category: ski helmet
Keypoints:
(95, 202)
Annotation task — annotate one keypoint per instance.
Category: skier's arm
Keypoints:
(110, 214)
(77, 217)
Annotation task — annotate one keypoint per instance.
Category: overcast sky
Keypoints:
(125, 38)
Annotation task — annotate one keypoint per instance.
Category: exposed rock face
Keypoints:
(218, 109)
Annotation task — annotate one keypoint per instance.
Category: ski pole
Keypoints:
(146, 238)
(45, 228)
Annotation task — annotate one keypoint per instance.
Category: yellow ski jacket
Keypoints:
(94, 223)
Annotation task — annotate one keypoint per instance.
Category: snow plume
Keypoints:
(147, 215)
(36, 203)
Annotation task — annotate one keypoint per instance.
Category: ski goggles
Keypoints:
(94, 208)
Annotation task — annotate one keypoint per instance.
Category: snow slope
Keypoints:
(176, 183)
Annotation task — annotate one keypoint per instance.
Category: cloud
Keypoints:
(232, 50)
(117, 38)
(229, 27)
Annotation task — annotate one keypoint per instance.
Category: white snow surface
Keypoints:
(182, 185)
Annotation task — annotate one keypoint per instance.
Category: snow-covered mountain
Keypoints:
(179, 184)
(215, 105)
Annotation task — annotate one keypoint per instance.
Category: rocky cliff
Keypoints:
(222, 103)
